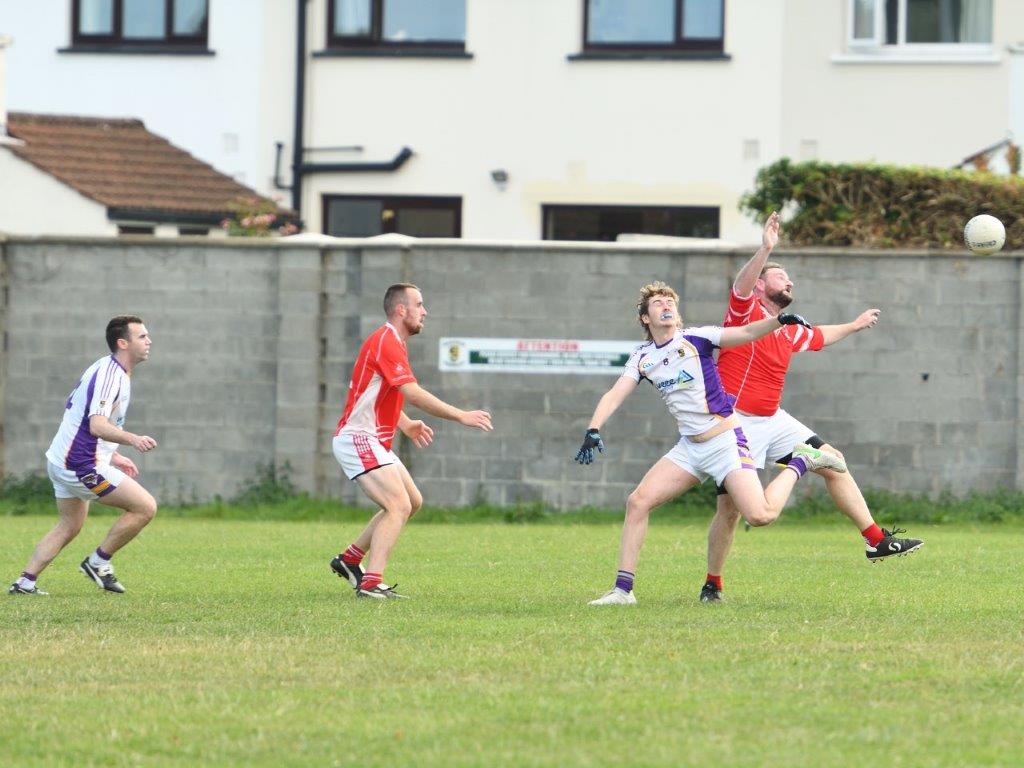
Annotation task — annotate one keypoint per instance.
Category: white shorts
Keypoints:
(359, 453)
(89, 484)
(773, 437)
(716, 458)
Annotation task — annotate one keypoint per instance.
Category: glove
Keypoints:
(591, 440)
(790, 319)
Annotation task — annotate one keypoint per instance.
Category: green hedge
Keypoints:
(880, 206)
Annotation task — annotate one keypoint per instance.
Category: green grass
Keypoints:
(235, 646)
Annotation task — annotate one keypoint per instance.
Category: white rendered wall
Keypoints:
(641, 132)
(906, 113)
(34, 203)
(628, 132)
(226, 109)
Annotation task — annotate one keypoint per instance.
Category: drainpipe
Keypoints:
(300, 108)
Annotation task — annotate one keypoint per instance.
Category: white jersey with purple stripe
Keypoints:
(104, 389)
(683, 371)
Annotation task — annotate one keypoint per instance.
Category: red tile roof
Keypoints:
(120, 164)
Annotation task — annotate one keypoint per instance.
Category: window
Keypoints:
(363, 216)
(913, 23)
(120, 23)
(607, 222)
(193, 231)
(396, 23)
(696, 25)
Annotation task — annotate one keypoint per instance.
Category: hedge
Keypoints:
(881, 206)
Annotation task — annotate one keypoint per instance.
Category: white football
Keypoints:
(984, 234)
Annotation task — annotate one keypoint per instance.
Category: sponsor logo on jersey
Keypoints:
(682, 381)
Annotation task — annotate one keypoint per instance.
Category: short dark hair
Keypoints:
(395, 295)
(117, 328)
(769, 265)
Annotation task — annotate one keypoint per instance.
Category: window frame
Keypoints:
(877, 43)
(394, 202)
(547, 208)
(116, 38)
(375, 40)
(679, 43)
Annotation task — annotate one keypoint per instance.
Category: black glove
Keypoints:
(790, 319)
(591, 440)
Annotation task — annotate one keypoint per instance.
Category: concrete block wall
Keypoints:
(254, 344)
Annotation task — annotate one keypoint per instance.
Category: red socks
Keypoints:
(370, 580)
(716, 580)
(872, 534)
(353, 555)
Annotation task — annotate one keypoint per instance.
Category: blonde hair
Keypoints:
(648, 292)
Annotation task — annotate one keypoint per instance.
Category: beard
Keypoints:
(414, 329)
(779, 298)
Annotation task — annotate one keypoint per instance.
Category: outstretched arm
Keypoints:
(611, 400)
(425, 401)
(747, 278)
(834, 333)
(737, 336)
(606, 406)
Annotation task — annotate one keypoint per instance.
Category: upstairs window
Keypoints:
(687, 25)
(124, 23)
(396, 23)
(920, 24)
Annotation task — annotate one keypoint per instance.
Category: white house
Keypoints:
(527, 119)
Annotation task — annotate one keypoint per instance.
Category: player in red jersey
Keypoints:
(381, 380)
(754, 374)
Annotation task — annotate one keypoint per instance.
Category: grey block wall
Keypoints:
(254, 343)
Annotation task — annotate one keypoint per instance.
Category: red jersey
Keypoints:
(374, 400)
(754, 373)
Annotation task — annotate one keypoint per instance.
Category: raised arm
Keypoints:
(747, 278)
(834, 333)
(425, 401)
(737, 336)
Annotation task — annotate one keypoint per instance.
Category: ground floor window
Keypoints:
(366, 216)
(607, 222)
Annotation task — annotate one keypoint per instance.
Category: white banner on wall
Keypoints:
(533, 355)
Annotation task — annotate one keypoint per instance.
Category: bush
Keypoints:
(879, 206)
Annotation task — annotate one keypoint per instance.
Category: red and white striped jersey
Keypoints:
(755, 373)
(374, 400)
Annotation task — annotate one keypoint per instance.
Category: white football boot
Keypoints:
(615, 597)
(818, 459)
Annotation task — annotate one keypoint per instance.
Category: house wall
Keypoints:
(588, 132)
(226, 109)
(911, 112)
(254, 344)
(33, 202)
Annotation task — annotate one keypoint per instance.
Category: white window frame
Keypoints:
(875, 49)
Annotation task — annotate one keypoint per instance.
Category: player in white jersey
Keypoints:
(84, 466)
(679, 364)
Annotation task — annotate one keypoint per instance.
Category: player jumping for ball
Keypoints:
(678, 363)
(381, 379)
(754, 375)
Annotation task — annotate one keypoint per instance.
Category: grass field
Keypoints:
(235, 646)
